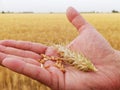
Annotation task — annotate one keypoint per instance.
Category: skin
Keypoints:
(21, 57)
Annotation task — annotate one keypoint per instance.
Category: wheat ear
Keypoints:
(77, 60)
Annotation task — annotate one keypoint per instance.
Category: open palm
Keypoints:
(23, 58)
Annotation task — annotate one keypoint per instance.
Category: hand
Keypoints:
(89, 42)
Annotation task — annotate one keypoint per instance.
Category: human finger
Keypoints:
(30, 70)
(28, 60)
(25, 45)
(76, 19)
(19, 52)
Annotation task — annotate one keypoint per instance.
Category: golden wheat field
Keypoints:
(48, 29)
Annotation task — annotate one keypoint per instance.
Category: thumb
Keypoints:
(75, 18)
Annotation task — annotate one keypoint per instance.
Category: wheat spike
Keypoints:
(75, 59)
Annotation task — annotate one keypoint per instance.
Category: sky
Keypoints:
(59, 5)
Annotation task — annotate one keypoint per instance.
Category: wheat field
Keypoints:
(48, 29)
